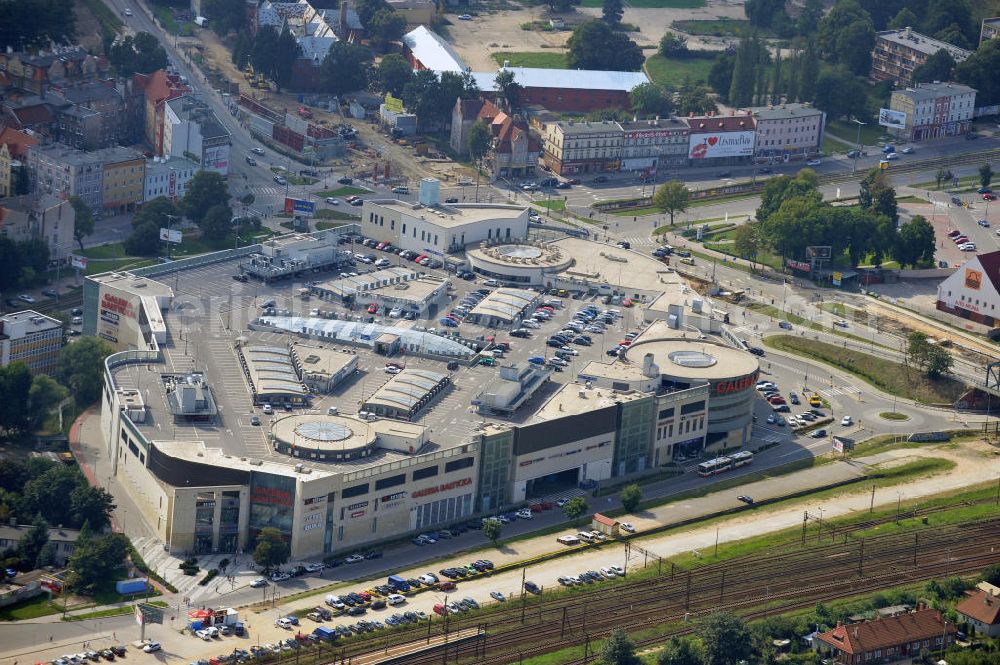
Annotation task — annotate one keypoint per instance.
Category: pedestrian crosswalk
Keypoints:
(637, 240)
(846, 389)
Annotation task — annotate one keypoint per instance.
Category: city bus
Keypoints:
(714, 466)
(741, 458)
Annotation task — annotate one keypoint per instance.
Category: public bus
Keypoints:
(741, 458)
(714, 466)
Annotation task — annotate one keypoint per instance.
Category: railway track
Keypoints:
(752, 586)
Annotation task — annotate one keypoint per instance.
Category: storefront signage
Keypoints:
(117, 304)
(736, 385)
(720, 144)
(394, 497)
(310, 527)
(109, 317)
(443, 487)
(356, 506)
(973, 279)
(358, 513)
(110, 338)
(804, 266)
(270, 495)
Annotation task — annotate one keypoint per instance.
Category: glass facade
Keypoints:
(495, 454)
(635, 430)
(272, 503)
(229, 521)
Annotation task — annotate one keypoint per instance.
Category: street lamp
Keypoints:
(857, 154)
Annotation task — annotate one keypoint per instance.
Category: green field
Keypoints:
(542, 59)
(653, 4)
(886, 375)
(719, 27)
(672, 72)
(848, 131)
(344, 191)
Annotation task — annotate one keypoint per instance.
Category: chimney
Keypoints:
(343, 18)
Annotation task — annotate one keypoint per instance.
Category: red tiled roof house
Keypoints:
(887, 640)
(982, 611)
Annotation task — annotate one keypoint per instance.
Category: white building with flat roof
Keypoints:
(440, 229)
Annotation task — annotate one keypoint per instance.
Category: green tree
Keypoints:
(345, 68)
(393, 73)
(575, 507)
(991, 574)
(649, 99)
(161, 211)
(938, 67)
(726, 638)
(951, 19)
(839, 93)
(672, 197)
(43, 396)
(271, 549)
(143, 241)
(979, 71)
(206, 189)
(368, 8)
(94, 563)
(47, 555)
(918, 349)
(619, 649)
(480, 141)
(15, 383)
(631, 497)
(91, 505)
(673, 45)
(747, 242)
(31, 544)
(914, 242)
(594, 45)
(141, 54)
(877, 195)
(491, 530)
(32, 24)
(612, 12)
(217, 222)
(680, 651)
(507, 88)
(83, 222)
(81, 369)
(694, 98)
(47, 494)
(808, 74)
(386, 26)
(942, 175)
(809, 17)
(846, 36)
(904, 19)
(741, 87)
(985, 175)
(720, 77)
(939, 362)
(765, 13)
(227, 15)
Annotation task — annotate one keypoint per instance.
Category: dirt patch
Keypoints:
(890, 320)
(88, 28)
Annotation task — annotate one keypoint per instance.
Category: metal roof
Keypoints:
(271, 371)
(407, 389)
(566, 79)
(433, 51)
(366, 333)
(505, 304)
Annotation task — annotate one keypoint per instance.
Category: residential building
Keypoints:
(569, 90)
(990, 29)
(17, 142)
(156, 89)
(981, 610)
(31, 338)
(315, 31)
(122, 181)
(38, 118)
(44, 217)
(514, 150)
(721, 140)
(59, 169)
(417, 12)
(64, 540)
(887, 640)
(6, 164)
(973, 291)
(192, 130)
(36, 72)
(463, 116)
(583, 147)
(788, 132)
(92, 115)
(648, 145)
(167, 177)
(898, 52)
(935, 110)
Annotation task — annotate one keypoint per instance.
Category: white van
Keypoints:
(585, 536)
(331, 411)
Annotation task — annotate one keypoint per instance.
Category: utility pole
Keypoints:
(871, 508)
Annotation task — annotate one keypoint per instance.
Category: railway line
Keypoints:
(752, 586)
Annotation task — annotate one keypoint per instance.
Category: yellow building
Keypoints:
(123, 183)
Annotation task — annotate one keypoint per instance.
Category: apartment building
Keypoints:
(6, 165)
(935, 110)
(898, 52)
(59, 169)
(990, 30)
(123, 182)
(47, 218)
(37, 71)
(192, 130)
(651, 144)
(583, 147)
(788, 132)
(168, 177)
(31, 338)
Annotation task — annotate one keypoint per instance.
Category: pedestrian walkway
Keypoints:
(846, 389)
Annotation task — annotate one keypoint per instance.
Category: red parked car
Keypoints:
(447, 585)
(372, 308)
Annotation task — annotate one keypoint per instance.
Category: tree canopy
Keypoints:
(227, 15)
(846, 36)
(649, 99)
(141, 54)
(979, 71)
(612, 12)
(81, 368)
(619, 649)
(345, 68)
(393, 73)
(271, 549)
(431, 98)
(28, 24)
(83, 221)
(507, 88)
(726, 638)
(206, 189)
(386, 26)
(672, 197)
(273, 54)
(938, 67)
(595, 45)
(95, 561)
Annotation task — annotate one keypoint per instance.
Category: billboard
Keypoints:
(393, 104)
(299, 207)
(78, 262)
(890, 118)
(720, 144)
(171, 235)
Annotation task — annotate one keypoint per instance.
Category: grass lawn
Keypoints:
(166, 18)
(326, 213)
(344, 191)
(636, 212)
(886, 375)
(671, 72)
(653, 4)
(832, 146)
(543, 59)
(893, 415)
(848, 131)
(719, 27)
(763, 257)
(32, 608)
(554, 204)
(963, 181)
(110, 22)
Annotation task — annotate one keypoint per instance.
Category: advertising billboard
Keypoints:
(393, 104)
(890, 118)
(78, 262)
(299, 207)
(171, 235)
(720, 144)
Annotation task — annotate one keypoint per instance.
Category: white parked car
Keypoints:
(354, 558)
(814, 162)
(332, 201)
(151, 647)
(528, 323)
(395, 599)
(203, 634)
(846, 421)
(314, 567)
(259, 582)
(618, 570)
(627, 527)
(283, 623)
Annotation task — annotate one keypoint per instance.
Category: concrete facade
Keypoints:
(788, 132)
(192, 131)
(46, 218)
(935, 110)
(31, 338)
(898, 52)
